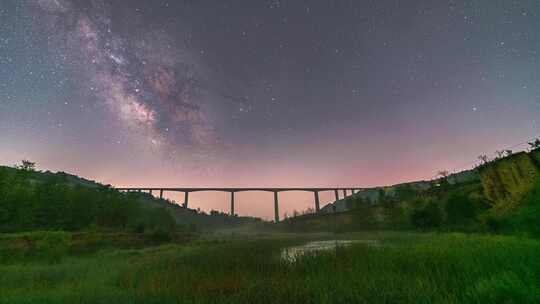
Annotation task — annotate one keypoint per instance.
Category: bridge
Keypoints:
(232, 191)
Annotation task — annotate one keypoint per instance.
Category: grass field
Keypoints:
(404, 268)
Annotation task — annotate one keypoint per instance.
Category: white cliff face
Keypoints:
(373, 194)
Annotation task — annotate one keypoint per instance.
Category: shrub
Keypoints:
(4, 215)
(93, 237)
(150, 219)
(492, 223)
(522, 220)
(462, 208)
(527, 218)
(405, 192)
(160, 235)
(426, 217)
(139, 228)
(394, 214)
(53, 246)
(459, 209)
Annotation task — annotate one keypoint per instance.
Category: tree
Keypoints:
(53, 204)
(443, 174)
(443, 178)
(382, 195)
(368, 201)
(27, 165)
(404, 192)
(428, 216)
(459, 209)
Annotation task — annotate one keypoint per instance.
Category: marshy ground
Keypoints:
(250, 268)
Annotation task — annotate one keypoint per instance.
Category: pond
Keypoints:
(292, 253)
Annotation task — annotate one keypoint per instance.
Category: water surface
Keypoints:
(292, 253)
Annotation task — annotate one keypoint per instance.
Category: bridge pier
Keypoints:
(317, 206)
(232, 203)
(186, 199)
(276, 207)
(276, 192)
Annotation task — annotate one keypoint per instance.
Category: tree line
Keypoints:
(31, 200)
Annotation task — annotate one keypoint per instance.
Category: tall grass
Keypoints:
(448, 268)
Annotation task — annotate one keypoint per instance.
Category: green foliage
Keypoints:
(427, 216)
(189, 227)
(405, 192)
(381, 195)
(152, 218)
(37, 201)
(160, 235)
(522, 220)
(394, 214)
(527, 218)
(53, 246)
(493, 223)
(460, 208)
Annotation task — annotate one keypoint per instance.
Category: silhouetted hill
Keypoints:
(34, 200)
(40, 176)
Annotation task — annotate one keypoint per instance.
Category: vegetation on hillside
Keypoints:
(33, 201)
(459, 206)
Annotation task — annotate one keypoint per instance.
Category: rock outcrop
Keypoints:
(507, 181)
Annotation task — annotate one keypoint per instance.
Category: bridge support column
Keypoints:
(186, 199)
(344, 193)
(337, 195)
(161, 194)
(317, 205)
(150, 192)
(232, 203)
(276, 207)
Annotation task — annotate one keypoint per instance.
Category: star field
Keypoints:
(266, 93)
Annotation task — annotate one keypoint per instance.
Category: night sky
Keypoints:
(265, 93)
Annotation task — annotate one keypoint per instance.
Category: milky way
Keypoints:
(144, 80)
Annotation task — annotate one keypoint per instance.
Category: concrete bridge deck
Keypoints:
(233, 190)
